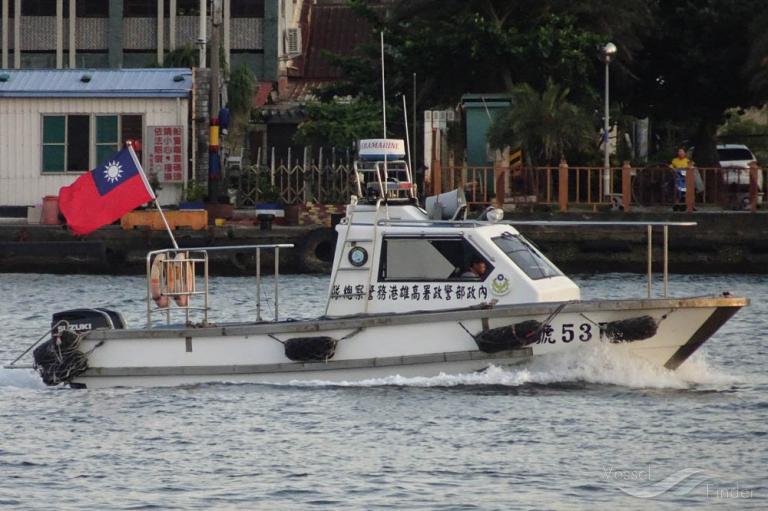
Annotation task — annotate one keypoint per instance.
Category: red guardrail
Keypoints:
(628, 187)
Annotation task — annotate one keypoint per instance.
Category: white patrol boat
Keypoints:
(413, 292)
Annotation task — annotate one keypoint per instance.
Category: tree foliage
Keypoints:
(185, 56)
(339, 123)
(692, 67)
(545, 125)
(240, 89)
(681, 62)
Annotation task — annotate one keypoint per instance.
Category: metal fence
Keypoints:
(328, 179)
(288, 181)
(572, 186)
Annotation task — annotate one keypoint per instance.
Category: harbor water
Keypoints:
(595, 429)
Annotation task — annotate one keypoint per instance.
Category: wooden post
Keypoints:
(499, 171)
(500, 168)
(626, 186)
(690, 188)
(562, 192)
(753, 186)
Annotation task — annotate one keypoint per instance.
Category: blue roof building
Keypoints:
(57, 124)
(93, 83)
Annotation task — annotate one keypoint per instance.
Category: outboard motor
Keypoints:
(82, 320)
(59, 359)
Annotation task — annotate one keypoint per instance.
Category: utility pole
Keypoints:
(201, 38)
(216, 19)
(214, 184)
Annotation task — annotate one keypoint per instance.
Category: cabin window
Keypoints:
(107, 141)
(429, 259)
(78, 133)
(132, 128)
(54, 143)
(526, 256)
(77, 143)
(65, 143)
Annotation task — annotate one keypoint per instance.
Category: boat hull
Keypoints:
(379, 345)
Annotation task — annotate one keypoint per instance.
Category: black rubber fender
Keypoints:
(310, 349)
(316, 252)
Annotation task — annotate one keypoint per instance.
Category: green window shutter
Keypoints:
(103, 152)
(53, 158)
(106, 137)
(54, 135)
(106, 129)
(53, 129)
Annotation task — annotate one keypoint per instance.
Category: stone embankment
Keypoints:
(721, 242)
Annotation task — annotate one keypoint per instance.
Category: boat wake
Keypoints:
(20, 378)
(592, 365)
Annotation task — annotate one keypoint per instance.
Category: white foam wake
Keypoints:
(593, 364)
(20, 378)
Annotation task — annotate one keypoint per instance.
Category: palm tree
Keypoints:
(544, 125)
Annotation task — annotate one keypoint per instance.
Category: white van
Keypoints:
(735, 160)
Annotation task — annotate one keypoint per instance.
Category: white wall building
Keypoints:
(57, 124)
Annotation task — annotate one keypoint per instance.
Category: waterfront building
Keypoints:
(58, 124)
(138, 33)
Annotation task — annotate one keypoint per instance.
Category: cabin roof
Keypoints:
(101, 83)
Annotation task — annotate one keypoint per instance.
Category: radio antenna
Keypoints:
(407, 139)
(383, 91)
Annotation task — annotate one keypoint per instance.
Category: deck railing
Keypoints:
(177, 280)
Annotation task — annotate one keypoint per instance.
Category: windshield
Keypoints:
(526, 257)
(734, 154)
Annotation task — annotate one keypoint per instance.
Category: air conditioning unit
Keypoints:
(293, 41)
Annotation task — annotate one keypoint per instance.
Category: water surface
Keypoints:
(588, 430)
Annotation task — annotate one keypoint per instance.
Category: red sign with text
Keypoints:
(166, 153)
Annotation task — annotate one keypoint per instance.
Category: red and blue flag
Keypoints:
(99, 197)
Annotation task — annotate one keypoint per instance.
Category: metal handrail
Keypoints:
(588, 223)
(203, 258)
(479, 223)
(54, 327)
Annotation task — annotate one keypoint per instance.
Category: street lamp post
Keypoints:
(608, 51)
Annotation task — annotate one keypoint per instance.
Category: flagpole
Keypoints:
(151, 192)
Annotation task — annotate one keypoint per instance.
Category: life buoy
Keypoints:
(155, 277)
(184, 279)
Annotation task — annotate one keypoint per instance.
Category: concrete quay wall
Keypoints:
(721, 242)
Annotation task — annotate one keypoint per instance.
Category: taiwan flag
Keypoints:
(106, 193)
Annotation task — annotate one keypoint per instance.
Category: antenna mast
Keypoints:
(383, 93)
(407, 138)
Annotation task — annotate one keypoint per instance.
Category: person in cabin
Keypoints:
(476, 269)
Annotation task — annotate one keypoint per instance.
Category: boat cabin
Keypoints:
(393, 256)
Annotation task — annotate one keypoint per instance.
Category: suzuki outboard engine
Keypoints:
(59, 359)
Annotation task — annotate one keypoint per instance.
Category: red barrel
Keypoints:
(50, 214)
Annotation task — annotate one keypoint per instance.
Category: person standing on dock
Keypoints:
(680, 164)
